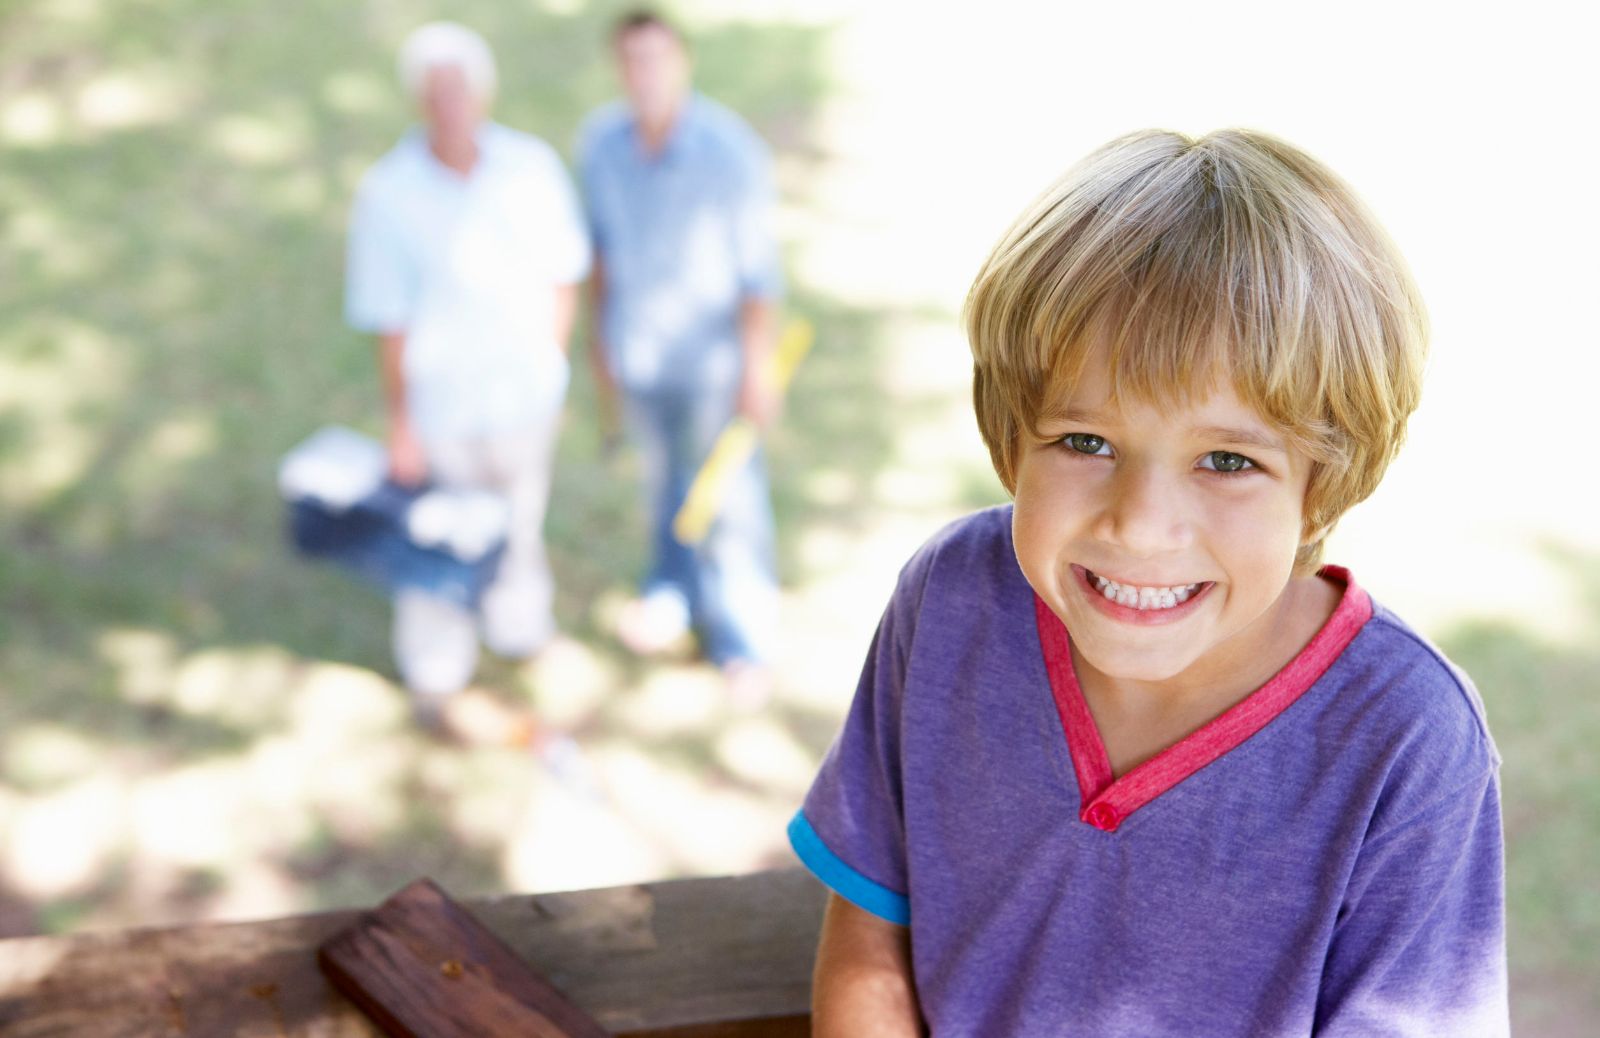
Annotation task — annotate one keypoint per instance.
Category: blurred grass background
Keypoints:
(195, 725)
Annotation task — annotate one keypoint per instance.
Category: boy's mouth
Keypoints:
(1134, 596)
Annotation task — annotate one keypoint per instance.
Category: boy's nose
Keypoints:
(1146, 514)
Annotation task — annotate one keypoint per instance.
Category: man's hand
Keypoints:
(408, 464)
(759, 394)
(759, 400)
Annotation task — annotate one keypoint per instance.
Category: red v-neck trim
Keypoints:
(1107, 801)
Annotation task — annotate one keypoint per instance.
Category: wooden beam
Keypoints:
(422, 966)
(697, 958)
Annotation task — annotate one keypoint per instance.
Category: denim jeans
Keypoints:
(726, 587)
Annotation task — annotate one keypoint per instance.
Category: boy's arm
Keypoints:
(863, 980)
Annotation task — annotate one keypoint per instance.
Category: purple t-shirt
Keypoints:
(1325, 858)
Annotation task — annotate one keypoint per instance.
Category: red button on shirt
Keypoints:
(1103, 817)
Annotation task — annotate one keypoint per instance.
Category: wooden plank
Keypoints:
(770, 1027)
(423, 967)
(677, 959)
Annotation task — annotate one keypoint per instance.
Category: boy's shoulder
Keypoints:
(967, 553)
(1412, 660)
(1406, 703)
(962, 592)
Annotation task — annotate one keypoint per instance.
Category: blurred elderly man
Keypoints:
(466, 248)
(679, 197)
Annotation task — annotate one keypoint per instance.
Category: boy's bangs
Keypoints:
(1182, 265)
(1203, 301)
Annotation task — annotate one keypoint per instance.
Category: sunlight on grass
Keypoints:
(357, 94)
(298, 191)
(762, 752)
(702, 830)
(46, 754)
(180, 439)
(195, 725)
(261, 139)
(672, 700)
(537, 850)
(31, 120)
(61, 445)
(196, 816)
(84, 11)
(61, 843)
(570, 681)
(55, 247)
(124, 99)
(144, 662)
(338, 703)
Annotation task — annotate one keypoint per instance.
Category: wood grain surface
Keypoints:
(422, 966)
(699, 958)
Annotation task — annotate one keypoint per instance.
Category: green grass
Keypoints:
(170, 300)
(1543, 701)
(169, 326)
(178, 300)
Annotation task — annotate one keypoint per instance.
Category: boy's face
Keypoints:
(1189, 517)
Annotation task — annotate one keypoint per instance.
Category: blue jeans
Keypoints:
(726, 586)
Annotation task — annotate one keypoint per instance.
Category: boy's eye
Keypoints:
(1226, 461)
(1086, 443)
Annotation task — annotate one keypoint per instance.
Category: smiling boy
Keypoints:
(1125, 760)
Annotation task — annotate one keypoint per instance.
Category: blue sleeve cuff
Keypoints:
(842, 879)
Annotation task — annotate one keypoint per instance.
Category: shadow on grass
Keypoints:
(187, 298)
(170, 304)
(169, 326)
(1543, 700)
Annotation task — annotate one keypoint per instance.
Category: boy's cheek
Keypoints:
(1267, 534)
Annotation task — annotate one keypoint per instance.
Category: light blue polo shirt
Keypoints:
(685, 236)
(466, 267)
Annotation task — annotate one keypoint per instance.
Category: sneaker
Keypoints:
(652, 625)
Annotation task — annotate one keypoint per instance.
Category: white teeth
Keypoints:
(1135, 597)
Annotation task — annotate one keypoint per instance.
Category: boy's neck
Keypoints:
(1138, 719)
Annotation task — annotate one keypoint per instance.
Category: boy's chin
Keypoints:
(1136, 665)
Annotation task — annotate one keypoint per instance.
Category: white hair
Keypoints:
(445, 44)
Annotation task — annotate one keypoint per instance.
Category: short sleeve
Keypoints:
(381, 279)
(1419, 945)
(851, 830)
(755, 238)
(569, 247)
(590, 164)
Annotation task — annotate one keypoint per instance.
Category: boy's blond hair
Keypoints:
(1233, 256)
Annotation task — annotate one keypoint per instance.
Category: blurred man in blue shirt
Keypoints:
(679, 196)
(466, 247)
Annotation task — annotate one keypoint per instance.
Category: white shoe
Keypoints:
(651, 625)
